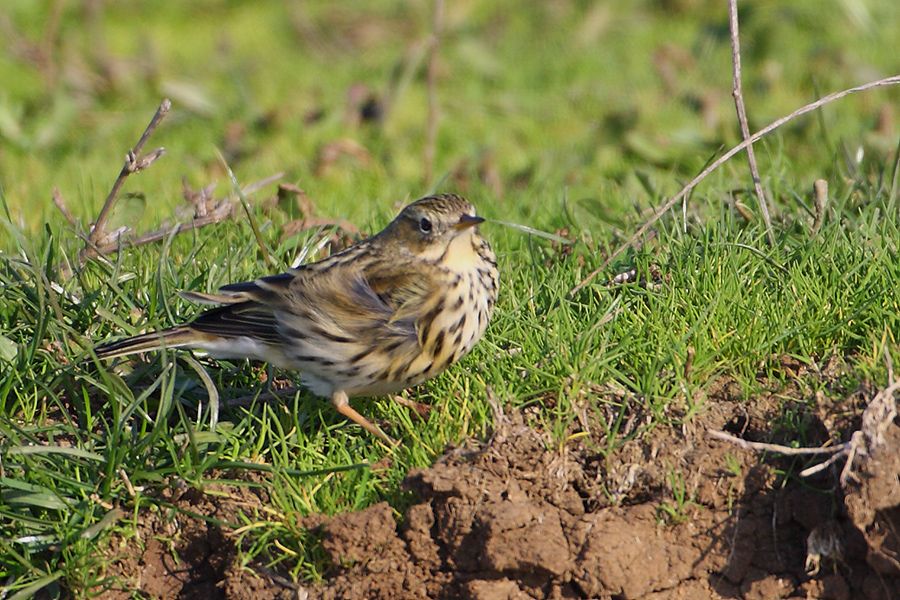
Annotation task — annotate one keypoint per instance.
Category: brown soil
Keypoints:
(520, 517)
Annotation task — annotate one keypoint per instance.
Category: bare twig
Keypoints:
(133, 163)
(876, 418)
(162, 233)
(809, 472)
(820, 200)
(668, 204)
(737, 93)
(689, 362)
(433, 109)
(764, 447)
(60, 203)
(222, 210)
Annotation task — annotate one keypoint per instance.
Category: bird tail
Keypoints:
(174, 337)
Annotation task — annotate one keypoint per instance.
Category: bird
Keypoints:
(383, 315)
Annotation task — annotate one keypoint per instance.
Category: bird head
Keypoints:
(427, 227)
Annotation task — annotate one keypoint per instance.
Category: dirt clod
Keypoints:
(516, 517)
(874, 505)
(670, 514)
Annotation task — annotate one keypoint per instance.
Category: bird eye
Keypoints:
(425, 225)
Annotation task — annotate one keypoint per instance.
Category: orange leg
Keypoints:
(342, 403)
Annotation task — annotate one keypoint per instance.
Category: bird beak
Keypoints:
(467, 221)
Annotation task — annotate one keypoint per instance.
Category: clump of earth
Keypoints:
(671, 514)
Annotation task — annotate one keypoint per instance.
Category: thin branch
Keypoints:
(764, 447)
(162, 233)
(668, 204)
(738, 95)
(133, 163)
(876, 418)
(60, 203)
(222, 211)
(433, 109)
(809, 472)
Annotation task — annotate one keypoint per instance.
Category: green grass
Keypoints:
(563, 102)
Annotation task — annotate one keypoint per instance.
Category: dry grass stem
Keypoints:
(668, 204)
(257, 234)
(778, 448)
(433, 109)
(60, 203)
(820, 201)
(254, 187)
(738, 94)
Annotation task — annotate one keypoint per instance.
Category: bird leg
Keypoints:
(342, 403)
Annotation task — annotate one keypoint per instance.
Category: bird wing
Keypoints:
(403, 292)
(240, 319)
(378, 300)
(347, 302)
(351, 295)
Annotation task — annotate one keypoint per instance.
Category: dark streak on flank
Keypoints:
(393, 346)
(316, 360)
(452, 358)
(460, 324)
(425, 370)
(438, 343)
(428, 320)
(292, 332)
(360, 355)
(318, 331)
(458, 340)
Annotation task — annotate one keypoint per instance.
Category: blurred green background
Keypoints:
(612, 103)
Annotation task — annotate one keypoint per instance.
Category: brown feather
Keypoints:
(246, 319)
(173, 337)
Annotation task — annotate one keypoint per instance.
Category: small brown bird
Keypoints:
(383, 315)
